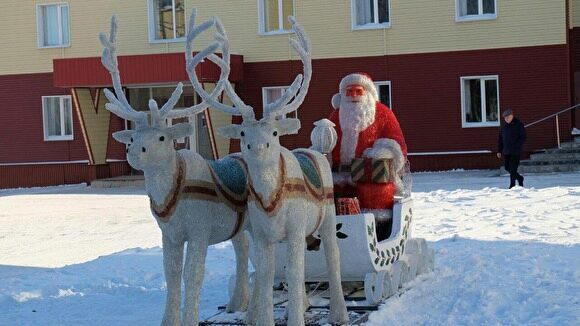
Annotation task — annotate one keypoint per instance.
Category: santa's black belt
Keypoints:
(344, 168)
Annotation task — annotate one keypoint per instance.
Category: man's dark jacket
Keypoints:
(511, 138)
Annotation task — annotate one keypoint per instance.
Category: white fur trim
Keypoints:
(359, 79)
(336, 98)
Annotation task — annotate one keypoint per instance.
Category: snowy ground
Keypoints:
(81, 256)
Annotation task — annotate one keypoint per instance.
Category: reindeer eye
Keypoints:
(143, 149)
(242, 134)
(131, 139)
(275, 133)
(162, 138)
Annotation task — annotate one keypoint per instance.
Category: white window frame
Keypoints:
(293, 114)
(353, 16)
(62, 122)
(382, 83)
(152, 27)
(479, 16)
(281, 18)
(483, 123)
(40, 26)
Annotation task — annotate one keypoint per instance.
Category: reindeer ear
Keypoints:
(180, 130)
(230, 131)
(289, 126)
(123, 136)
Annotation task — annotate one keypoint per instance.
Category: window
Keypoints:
(480, 101)
(370, 14)
(166, 20)
(57, 117)
(271, 94)
(53, 25)
(274, 16)
(475, 9)
(384, 92)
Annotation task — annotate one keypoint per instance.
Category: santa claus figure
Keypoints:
(366, 128)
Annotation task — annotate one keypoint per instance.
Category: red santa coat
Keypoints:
(385, 125)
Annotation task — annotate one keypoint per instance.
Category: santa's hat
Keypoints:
(359, 78)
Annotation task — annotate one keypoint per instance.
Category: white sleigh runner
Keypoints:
(384, 266)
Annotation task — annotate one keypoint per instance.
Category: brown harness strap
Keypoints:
(290, 188)
(166, 209)
(196, 189)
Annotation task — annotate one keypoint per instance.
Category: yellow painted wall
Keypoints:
(96, 123)
(574, 13)
(417, 27)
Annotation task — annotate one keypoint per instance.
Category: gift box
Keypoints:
(371, 170)
(347, 206)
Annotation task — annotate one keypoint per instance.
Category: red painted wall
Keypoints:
(426, 95)
(22, 135)
(138, 69)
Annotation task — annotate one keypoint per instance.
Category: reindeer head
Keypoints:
(151, 143)
(260, 140)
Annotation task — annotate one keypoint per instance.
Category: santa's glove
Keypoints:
(385, 148)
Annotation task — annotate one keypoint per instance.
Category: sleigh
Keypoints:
(383, 265)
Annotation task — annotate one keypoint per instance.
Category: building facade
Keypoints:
(446, 68)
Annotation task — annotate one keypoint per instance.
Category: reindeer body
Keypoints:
(186, 199)
(282, 204)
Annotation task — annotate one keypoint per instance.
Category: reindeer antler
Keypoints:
(299, 86)
(118, 101)
(221, 39)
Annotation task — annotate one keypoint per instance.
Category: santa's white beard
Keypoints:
(354, 118)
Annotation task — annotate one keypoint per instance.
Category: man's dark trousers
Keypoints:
(511, 164)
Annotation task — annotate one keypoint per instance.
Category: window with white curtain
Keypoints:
(384, 92)
(166, 20)
(274, 14)
(370, 14)
(57, 117)
(271, 94)
(475, 9)
(53, 25)
(480, 101)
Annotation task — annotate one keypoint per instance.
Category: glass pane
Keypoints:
(50, 25)
(491, 110)
(180, 18)
(272, 94)
(384, 94)
(287, 10)
(65, 29)
(67, 110)
(472, 88)
(139, 98)
(364, 12)
(52, 116)
(271, 15)
(489, 6)
(163, 13)
(472, 7)
(383, 11)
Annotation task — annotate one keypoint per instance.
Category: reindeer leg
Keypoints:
(295, 277)
(241, 295)
(338, 313)
(263, 312)
(172, 264)
(193, 277)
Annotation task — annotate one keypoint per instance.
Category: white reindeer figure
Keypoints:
(285, 203)
(187, 200)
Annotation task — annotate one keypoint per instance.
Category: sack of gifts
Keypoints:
(371, 170)
(347, 206)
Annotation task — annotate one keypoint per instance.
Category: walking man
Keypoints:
(510, 143)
